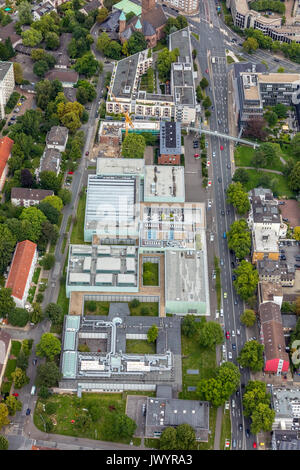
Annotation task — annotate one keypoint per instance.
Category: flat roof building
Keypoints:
(286, 404)
(164, 412)
(96, 268)
(112, 207)
(108, 367)
(164, 184)
(170, 143)
(120, 166)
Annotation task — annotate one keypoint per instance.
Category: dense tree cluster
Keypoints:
(237, 196)
(219, 388)
(239, 238)
(246, 279)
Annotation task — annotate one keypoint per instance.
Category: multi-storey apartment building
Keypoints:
(7, 84)
(183, 6)
(180, 104)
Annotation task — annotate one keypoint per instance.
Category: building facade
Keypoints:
(184, 7)
(27, 197)
(7, 85)
(5, 153)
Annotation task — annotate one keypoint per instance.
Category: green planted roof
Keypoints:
(127, 6)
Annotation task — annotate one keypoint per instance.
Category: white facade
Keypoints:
(7, 84)
(184, 6)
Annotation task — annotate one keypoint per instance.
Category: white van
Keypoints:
(233, 403)
(221, 312)
(33, 388)
(217, 314)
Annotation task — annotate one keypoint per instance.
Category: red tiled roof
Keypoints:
(20, 267)
(5, 148)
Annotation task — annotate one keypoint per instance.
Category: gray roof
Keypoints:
(289, 321)
(285, 440)
(51, 160)
(170, 138)
(148, 29)
(112, 22)
(30, 194)
(57, 135)
(4, 68)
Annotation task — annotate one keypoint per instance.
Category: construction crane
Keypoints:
(128, 121)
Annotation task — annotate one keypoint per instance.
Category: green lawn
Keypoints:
(77, 235)
(150, 274)
(138, 346)
(15, 348)
(151, 443)
(68, 407)
(195, 357)
(280, 183)
(36, 275)
(243, 157)
(226, 429)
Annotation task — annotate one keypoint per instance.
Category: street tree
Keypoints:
(246, 279)
(48, 261)
(239, 238)
(255, 393)
(49, 346)
(48, 375)
(262, 418)
(4, 420)
(54, 312)
(133, 146)
(250, 45)
(251, 356)
(220, 387)
(210, 335)
(102, 14)
(19, 377)
(152, 334)
(237, 196)
(206, 102)
(204, 83)
(248, 317)
(13, 405)
(65, 195)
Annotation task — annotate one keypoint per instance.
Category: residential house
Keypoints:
(38, 11)
(90, 6)
(5, 152)
(50, 161)
(7, 84)
(67, 77)
(271, 333)
(21, 271)
(27, 197)
(57, 138)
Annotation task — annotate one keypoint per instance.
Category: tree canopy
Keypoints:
(239, 238)
(252, 356)
(237, 196)
(210, 335)
(182, 437)
(133, 146)
(246, 279)
(248, 317)
(219, 388)
(49, 346)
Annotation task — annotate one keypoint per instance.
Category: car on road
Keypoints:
(87, 153)
(197, 156)
(228, 212)
(247, 433)
(214, 275)
(220, 179)
(209, 204)
(209, 183)
(238, 332)
(237, 393)
(235, 302)
(206, 144)
(229, 355)
(224, 235)
(70, 172)
(15, 394)
(34, 361)
(144, 409)
(208, 163)
(228, 166)
(276, 60)
(240, 427)
(233, 346)
(233, 333)
(232, 264)
(214, 154)
(233, 277)
(221, 262)
(206, 71)
(221, 147)
(227, 335)
(28, 411)
(107, 61)
(225, 295)
(254, 445)
(222, 212)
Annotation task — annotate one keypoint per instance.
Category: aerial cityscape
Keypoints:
(150, 226)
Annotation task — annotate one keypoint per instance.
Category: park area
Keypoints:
(93, 416)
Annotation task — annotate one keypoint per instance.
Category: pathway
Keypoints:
(260, 169)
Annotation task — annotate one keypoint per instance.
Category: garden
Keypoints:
(136, 308)
(150, 274)
(17, 361)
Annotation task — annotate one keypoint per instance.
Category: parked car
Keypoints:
(233, 277)
(233, 346)
(227, 335)
(70, 172)
(254, 445)
(240, 427)
(15, 394)
(247, 433)
(229, 355)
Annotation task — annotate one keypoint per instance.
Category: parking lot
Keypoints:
(290, 210)
(25, 105)
(134, 409)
